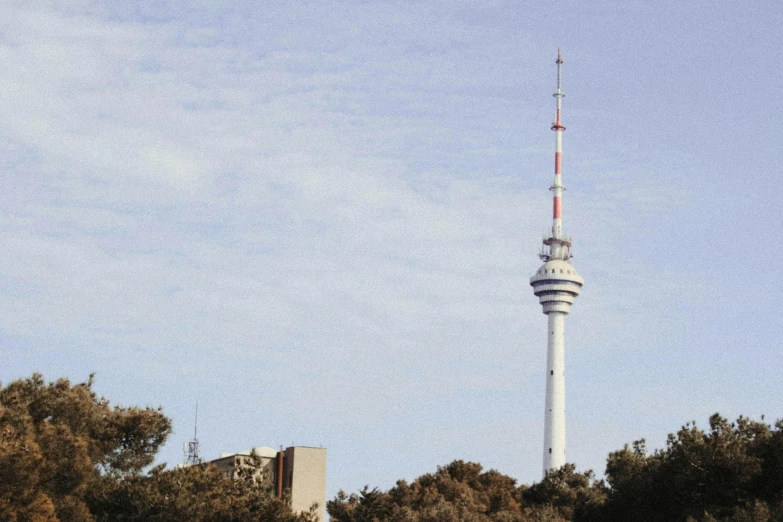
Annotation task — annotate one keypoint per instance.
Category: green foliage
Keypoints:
(574, 496)
(55, 440)
(66, 455)
(461, 492)
(731, 469)
(732, 472)
(196, 494)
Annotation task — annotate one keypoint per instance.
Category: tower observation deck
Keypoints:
(556, 284)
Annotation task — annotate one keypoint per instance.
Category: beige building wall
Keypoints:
(305, 474)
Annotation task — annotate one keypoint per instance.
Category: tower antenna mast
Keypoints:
(190, 448)
(556, 284)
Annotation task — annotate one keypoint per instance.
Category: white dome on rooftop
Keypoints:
(265, 451)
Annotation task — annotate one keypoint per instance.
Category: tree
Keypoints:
(195, 493)
(571, 495)
(462, 492)
(66, 455)
(733, 470)
(57, 438)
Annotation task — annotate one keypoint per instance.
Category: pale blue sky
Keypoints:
(318, 219)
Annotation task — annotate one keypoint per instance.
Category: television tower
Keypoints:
(556, 284)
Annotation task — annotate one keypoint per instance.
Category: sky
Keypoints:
(318, 220)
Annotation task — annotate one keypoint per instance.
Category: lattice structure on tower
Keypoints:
(190, 448)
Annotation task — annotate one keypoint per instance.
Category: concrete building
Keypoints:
(300, 469)
(556, 284)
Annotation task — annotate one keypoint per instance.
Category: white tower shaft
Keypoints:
(554, 417)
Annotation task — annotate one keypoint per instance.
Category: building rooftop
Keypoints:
(261, 451)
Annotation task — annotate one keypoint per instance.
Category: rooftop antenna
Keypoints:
(190, 448)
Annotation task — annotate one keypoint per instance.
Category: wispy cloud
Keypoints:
(325, 215)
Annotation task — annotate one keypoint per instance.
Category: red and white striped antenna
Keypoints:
(559, 246)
